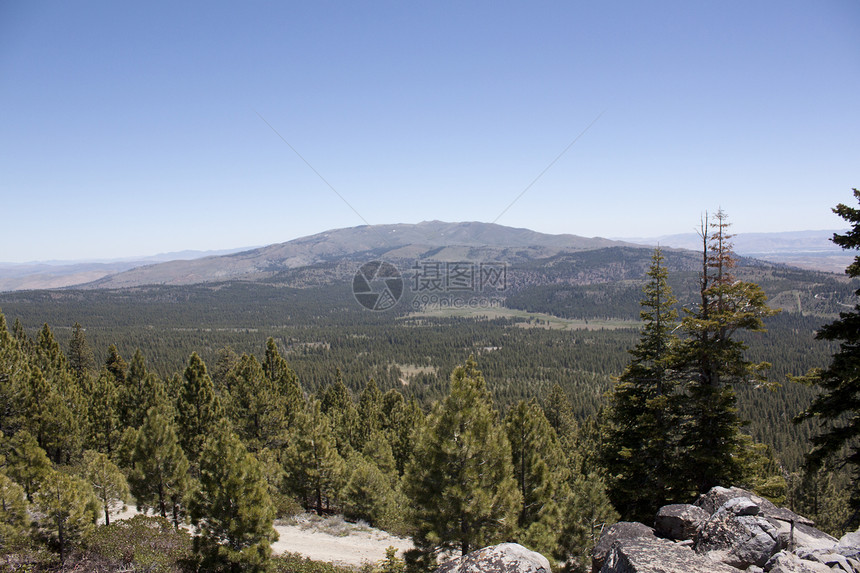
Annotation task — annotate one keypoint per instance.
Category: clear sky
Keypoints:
(135, 128)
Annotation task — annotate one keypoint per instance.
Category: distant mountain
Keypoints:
(471, 241)
(805, 249)
(59, 274)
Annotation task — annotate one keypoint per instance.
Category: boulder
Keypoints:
(655, 555)
(502, 558)
(806, 537)
(737, 536)
(849, 545)
(716, 497)
(621, 531)
(679, 521)
(786, 562)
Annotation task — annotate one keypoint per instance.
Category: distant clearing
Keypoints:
(527, 319)
(410, 371)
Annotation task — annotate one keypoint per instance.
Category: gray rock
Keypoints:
(832, 560)
(622, 531)
(644, 555)
(738, 540)
(785, 562)
(718, 496)
(849, 545)
(742, 506)
(679, 521)
(502, 558)
(807, 537)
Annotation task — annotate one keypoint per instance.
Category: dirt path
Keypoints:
(331, 539)
(357, 546)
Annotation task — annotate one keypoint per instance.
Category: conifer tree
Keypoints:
(541, 472)
(67, 508)
(369, 493)
(287, 383)
(14, 519)
(104, 425)
(461, 478)
(259, 412)
(400, 422)
(315, 470)
(642, 424)
(50, 419)
(116, 366)
(837, 408)
(159, 478)
(232, 509)
(81, 358)
(369, 413)
(336, 403)
(14, 374)
(107, 480)
(133, 392)
(198, 408)
(26, 462)
(585, 517)
(49, 357)
(711, 359)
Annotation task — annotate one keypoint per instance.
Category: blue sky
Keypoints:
(133, 129)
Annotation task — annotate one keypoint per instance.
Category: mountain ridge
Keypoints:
(443, 241)
(437, 240)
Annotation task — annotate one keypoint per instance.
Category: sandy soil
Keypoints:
(358, 546)
(331, 540)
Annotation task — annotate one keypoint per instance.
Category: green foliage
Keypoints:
(159, 478)
(640, 425)
(336, 403)
(837, 408)
(297, 563)
(66, 510)
(107, 480)
(27, 463)
(198, 408)
(541, 472)
(710, 360)
(232, 509)
(461, 479)
(391, 564)
(315, 471)
(824, 496)
(104, 420)
(140, 543)
(587, 515)
(14, 520)
(81, 358)
(258, 409)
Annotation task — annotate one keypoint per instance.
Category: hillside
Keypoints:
(443, 241)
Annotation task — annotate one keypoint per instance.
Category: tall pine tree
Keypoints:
(541, 472)
(198, 408)
(711, 360)
(232, 509)
(837, 408)
(641, 424)
(461, 477)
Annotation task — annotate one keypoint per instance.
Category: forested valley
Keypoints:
(227, 406)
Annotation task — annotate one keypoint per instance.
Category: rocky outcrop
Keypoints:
(679, 521)
(657, 555)
(622, 532)
(728, 529)
(502, 558)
